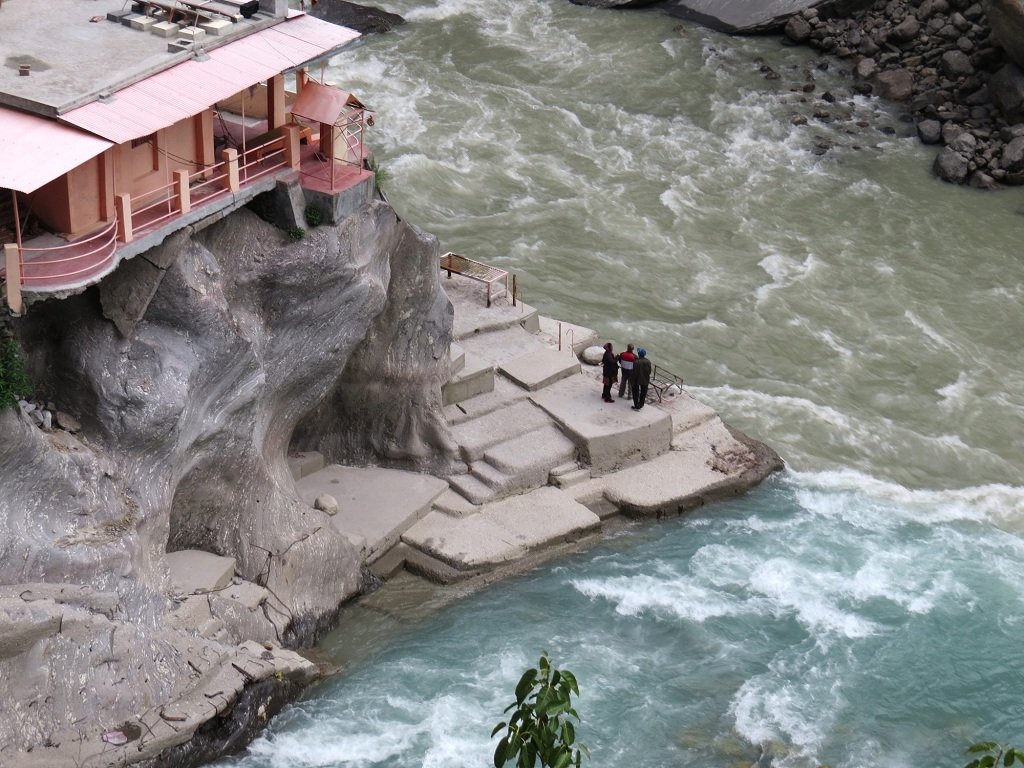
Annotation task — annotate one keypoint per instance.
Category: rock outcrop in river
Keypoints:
(189, 371)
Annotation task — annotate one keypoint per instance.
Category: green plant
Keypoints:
(540, 725)
(296, 233)
(380, 175)
(313, 215)
(14, 382)
(992, 754)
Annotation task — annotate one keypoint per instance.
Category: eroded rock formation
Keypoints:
(189, 370)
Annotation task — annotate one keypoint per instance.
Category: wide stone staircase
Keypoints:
(545, 460)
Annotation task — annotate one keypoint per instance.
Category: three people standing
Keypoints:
(636, 374)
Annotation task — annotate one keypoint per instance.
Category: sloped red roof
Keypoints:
(34, 150)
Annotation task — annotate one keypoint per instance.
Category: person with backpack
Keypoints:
(626, 360)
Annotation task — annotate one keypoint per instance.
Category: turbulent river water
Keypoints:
(647, 180)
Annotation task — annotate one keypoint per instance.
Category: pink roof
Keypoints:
(191, 87)
(323, 103)
(34, 150)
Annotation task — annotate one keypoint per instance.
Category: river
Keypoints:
(813, 283)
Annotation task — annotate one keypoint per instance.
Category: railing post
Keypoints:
(291, 146)
(12, 257)
(123, 203)
(182, 190)
(230, 157)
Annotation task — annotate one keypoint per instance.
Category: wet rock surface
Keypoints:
(363, 18)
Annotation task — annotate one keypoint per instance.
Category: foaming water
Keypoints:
(814, 284)
(644, 178)
(827, 618)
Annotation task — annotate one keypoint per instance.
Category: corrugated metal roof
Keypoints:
(34, 150)
(188, 88)
(323, 103)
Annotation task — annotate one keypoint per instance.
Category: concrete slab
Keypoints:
(472, 316)
(194, 571)
(216, 26)
(475, 378)
(454, 505)
(142, 22)
(575, 337)
(505, 344)
(536, 453)
(675, 481)
(477, 435)
(687, 412)
(544, 516)
(464, 543)
(504, 395)
(457, 356)
(164, 29)
(303, 463)
(610, 436)
(536, 370)
(374, 503)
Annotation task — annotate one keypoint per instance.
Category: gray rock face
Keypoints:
(188, 374)
(1006, 18)
(364, 18)
(1007, 90)
(753, 16)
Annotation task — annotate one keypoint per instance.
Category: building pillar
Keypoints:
(182, 191)
(107, 208)
(204, 141)
(124, 218)
(231, 162)
(12, 257)
(275, 102)
(291, 146)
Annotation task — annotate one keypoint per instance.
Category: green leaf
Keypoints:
(563, 760)
(498, 728)
(982, 746)
(526, 682)
(1008, 757)
(568, 733)
(501, 753)
(988, 761)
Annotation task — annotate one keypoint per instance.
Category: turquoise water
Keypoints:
(647, 180)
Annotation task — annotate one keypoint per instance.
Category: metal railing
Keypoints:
(99, 253)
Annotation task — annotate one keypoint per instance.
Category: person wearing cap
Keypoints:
(641, 379)
(609, 372)
(626, 364)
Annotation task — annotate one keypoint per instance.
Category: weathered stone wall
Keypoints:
(189, 370)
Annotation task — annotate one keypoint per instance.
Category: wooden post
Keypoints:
(12, 257)
(513, 290)
(291, 146)
(275, 102)
(230, 157)
(182, 190)
(124, 217)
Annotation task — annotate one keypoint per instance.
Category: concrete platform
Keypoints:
(474, 317)
(302, 463)
(477, 435)
(503, 531)
(504, 395)
(195, 572)
(573, 336)
(536, 370)
(475, 377)
(610, 436)
(676, 481)
(375, 504)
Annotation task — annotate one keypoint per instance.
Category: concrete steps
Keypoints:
(476, 436)
(474, 377)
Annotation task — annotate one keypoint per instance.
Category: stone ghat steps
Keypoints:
(516, 465)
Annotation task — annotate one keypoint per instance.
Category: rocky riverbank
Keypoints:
(945, 62)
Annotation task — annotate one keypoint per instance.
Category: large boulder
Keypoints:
(363, 18)
(1006, 88)
(754, 16)
(1006, 18)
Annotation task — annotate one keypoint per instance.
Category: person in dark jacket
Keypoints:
(641, 379)
(609, 373)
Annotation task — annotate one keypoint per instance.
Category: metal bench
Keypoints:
(660, 382)
(452, 263)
